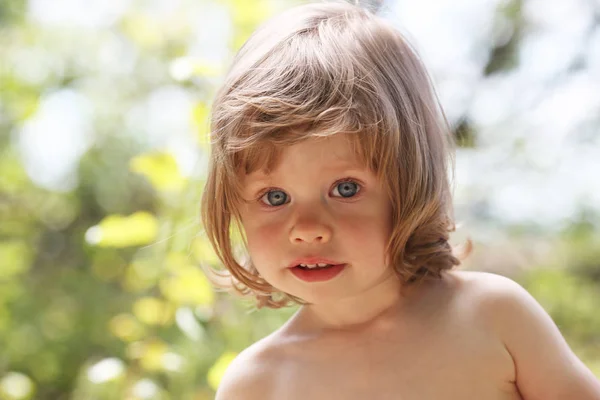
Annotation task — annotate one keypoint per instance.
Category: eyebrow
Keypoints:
(258, 177)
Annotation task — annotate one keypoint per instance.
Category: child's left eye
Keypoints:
(347, 188)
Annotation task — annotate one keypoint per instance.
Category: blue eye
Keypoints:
(274, 198)
(347, 188)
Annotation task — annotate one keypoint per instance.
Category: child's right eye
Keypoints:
(274, 198)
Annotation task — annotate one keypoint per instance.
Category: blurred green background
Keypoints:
(103, 146)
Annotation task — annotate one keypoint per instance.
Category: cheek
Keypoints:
(261, 238)
(365, 230)
(368, 230)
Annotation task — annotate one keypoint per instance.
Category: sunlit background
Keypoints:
(103, 148)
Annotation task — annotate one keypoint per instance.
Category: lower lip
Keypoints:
(317, 274)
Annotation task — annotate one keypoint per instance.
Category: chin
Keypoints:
(319, 295)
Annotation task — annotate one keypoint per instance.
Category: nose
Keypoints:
(310, 229)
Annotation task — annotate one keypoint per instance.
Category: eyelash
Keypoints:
(343, 180)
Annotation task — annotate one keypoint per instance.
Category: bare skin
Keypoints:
(442, 342)
(365, 335)
(431, 346)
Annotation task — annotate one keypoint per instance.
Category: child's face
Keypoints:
(319, 201)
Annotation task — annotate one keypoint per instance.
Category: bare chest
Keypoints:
(432, 366)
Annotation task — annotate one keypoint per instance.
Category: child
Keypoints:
(330, 155)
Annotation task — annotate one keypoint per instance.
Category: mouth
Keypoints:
(313, 262)
(315, 266)
(317, 272)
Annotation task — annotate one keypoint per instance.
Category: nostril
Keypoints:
(316, 239)
(311, 234)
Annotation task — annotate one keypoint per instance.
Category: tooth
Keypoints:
(303, 265)
(311, 265)
(322, 265)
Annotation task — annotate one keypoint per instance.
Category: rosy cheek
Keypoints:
(364, 229)
(356, 226)
(269, 232)
(263, 237)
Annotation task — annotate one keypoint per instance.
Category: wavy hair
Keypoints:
(318, 70)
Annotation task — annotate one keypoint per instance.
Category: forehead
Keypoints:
(335, 152)
(335, 149)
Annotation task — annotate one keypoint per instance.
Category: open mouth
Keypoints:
(317, 272)
(314, 266)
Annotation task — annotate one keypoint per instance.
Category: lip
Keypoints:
(318, 274)
(313, 260)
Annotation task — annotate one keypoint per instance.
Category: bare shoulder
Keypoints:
(250, 374)
(544, 363)
(487, 291)
(497, 302)
(468, 296)
(483, 283)
(475, 293)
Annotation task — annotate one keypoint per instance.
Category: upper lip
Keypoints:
(312, 260)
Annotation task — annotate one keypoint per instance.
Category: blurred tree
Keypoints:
(103, 134)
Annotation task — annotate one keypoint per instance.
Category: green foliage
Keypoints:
(572, 302)
(117, 231)
(101, 291)
(569, 289)
(11, 11)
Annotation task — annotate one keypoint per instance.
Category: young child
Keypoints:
(330, 155)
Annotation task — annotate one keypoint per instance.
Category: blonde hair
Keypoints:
(323, 69)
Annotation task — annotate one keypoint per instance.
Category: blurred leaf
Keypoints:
(47, 366)
(204, 253)
(216, 372)
(188, 286)
(143, 30)
(57, 323)
(153, 311)
(140, 275)
(160, 169)
(176, 262)
(16, 386)
(23, 341)
(11, 291)
(21, 100)
(118, 231)
(246, 17)
(13, 177)
(57, 211)
(152, 354)
(126, 327)
(15, 258)
(108, 264)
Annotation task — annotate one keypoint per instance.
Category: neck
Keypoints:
(371, 308)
